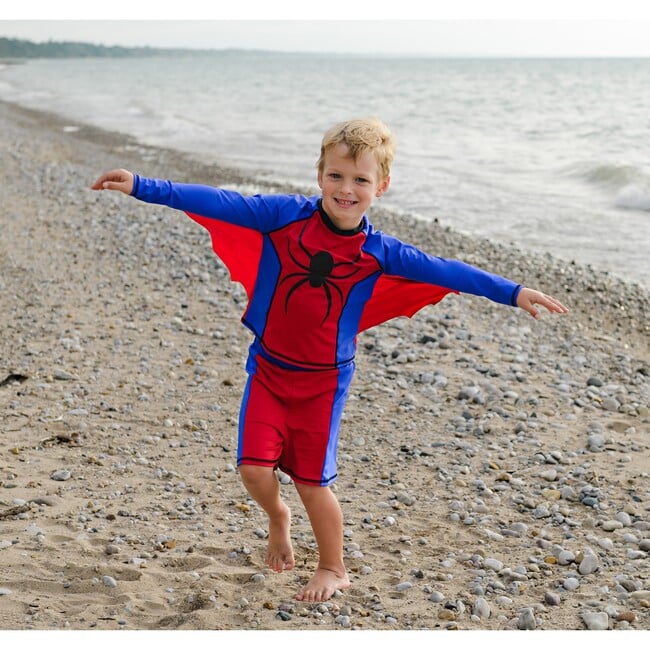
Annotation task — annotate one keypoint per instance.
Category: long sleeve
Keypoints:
(260, 212)
(409, 262)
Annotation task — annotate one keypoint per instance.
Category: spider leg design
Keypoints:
(295, 261)
(295, 286)
(305, 251)
(328, 293)
(348, 275)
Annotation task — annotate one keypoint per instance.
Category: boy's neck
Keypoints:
(333, 227)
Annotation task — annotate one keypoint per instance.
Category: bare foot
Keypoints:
(322, 586)
(279, 554)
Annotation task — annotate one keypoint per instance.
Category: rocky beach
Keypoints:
(494, 470)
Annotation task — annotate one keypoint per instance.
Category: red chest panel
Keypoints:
(318, 270)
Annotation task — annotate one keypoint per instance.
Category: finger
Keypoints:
(107, 181)
(554, 305)
(533, 311)
(99, 183)
(114, 185)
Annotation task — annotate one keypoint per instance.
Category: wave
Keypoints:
(633, 197)
(629, 184)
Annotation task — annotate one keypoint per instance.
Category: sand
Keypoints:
(494, 470)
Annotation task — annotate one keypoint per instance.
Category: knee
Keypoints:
(313, 493)
(255, 474)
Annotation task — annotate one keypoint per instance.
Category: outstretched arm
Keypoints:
(529, 298)
(117, 179)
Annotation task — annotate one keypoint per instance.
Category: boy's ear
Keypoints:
(382, 187)
(320, 179)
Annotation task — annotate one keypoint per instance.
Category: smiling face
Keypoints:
(349, 186)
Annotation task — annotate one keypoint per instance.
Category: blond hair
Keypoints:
(361, 136)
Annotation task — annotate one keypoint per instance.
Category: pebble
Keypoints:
(624, 518)
(589, 564)
(549, 475)
(436, 597)
(571, 584)
(611, 525)
(493, 564)
(526, 620)
(4, 591)
(403, 586)
(49, 500)
(641, 594)
(109, 581)
(595, 620)
(551, 598)
(61, 475)
(481, 608)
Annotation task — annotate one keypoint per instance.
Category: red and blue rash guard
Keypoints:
(312, 287)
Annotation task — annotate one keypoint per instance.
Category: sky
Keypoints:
(468, 28)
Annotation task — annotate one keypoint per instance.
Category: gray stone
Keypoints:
(109, 581)
(611, 404)
(551, 598)
(588, 565)
(571, 584)
(595, 442)
(481, 608)
(48, 500)
(624, 518)
(565, 557)
(61, 475)
(595, 620)
(492, 563)
(527, 620)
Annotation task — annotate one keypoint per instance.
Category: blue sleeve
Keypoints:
(410, 262)
(260, 212)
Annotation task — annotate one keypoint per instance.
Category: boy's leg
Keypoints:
(263, 486)
(327, 523)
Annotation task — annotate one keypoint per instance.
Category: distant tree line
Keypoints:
(13, 48)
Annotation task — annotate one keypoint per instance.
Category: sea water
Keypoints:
(551, 155)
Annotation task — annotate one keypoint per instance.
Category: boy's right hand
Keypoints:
(117, 179)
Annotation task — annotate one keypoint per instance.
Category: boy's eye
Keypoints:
(362, 180)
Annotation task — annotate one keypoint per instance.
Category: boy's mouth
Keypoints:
(345, 203)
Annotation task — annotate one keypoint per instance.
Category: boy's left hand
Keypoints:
(529, 298)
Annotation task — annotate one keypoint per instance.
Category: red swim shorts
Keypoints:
(290, 418)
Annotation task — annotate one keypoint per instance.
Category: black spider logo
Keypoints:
(318, 273)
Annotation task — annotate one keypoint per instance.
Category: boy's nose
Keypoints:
(346, 186)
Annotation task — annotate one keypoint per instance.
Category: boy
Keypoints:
(316, 274)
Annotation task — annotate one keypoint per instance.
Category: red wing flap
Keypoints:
(239, 248)
(394, 296)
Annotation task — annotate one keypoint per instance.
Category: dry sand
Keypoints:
(494, 470)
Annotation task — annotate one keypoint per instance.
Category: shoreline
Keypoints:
(493, 469)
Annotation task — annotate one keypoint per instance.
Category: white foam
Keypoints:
(633, 197)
